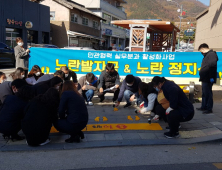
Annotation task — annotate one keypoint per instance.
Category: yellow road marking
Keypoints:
(97, 119)
(115, 109)
(137, 118)
(130, 118)
(105, 119)
(122, 126)
(218, 165)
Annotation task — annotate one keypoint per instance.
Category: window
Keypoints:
(95, 24)
(52, 15)
(85, 21)
(107, 18)
(74, 18)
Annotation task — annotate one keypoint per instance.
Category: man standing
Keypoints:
(109, 82)
(69, 74)
(208, 76)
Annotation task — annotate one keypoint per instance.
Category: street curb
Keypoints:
(116, 143)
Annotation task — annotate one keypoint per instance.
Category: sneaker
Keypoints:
(90, 103)
(207, 112)
(44, 143)
(127, 105)
(200, 109)
(171, 135)
(73, 139)
(169, 127)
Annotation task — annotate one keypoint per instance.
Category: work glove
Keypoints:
(212, 80)
(168, 110)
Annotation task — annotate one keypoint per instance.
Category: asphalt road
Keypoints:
(183, 157)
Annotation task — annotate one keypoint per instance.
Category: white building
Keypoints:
(109, 10)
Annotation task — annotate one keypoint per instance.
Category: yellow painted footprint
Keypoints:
(105, 119)
(137, 118)
(130, 118)
(97, 119)
(115, 109)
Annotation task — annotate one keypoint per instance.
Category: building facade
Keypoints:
(110, 10)
(209, 26)
(14, 19)
(73, 25)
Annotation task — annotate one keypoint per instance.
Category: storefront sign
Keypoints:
(142, 64)
(13, 22)
(108, 32)
(28, 24)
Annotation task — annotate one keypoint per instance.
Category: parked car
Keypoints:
(7, 55)
(44, 45)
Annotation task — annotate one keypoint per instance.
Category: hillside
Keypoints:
(161, 9)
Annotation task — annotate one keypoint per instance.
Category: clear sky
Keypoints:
(206, 2)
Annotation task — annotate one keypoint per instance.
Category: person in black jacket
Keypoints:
(11, 113)
(9, 88)
(130, 90)
(73, 113)
(69, 74)
(42, 87)
(109, 82)
(208, 76)
(39, 115)
(180, 110)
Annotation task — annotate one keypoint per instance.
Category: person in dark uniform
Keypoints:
(180, 109)
(109, 82)
(73, 113)
(42, 87)
(39, 115)
(11, 113)
(208, 76)
(69, 74)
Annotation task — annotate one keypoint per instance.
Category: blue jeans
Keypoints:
(207, 96)
(88, 94)
(128, 94)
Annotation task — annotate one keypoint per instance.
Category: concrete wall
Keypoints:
(61, 12)
(23, 10)
(89, 3)
(209, 27)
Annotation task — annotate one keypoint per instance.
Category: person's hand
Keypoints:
(101, 90)
(212, 80)
(84, 87)
(132, 97)
(29, 46)
(27, 50)
(168, 110)
(117, 104)
(117, 86)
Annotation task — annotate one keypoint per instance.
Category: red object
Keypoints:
(191, 25)
(183, 13)
(121, 126)
(141, 106)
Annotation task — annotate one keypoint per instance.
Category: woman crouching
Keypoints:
(73, 113)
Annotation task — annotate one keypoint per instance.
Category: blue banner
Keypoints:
(147, 64)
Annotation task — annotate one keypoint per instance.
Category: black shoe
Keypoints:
(207, 112)
(17, 137)
(102, 99)
(73, 139)
(169, 127)
(81, 134)
(127, 105)
(200, 109)
(171, 135)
